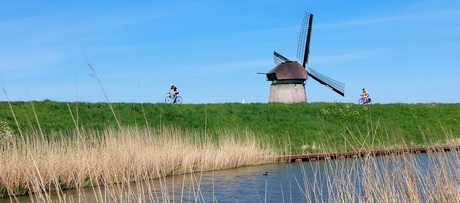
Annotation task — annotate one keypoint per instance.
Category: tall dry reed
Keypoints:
(120, 156)
(394, 177)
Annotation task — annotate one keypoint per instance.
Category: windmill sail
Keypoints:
(279, 58)
(335, 85)
(303, 48)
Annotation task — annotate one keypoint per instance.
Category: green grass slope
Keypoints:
(292, 128)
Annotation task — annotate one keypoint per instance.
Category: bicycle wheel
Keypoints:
(178, 100)
(369, 100)
(361, 101)
(168, 100)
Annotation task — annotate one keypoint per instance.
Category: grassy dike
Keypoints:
(291, 128)
(62, 145)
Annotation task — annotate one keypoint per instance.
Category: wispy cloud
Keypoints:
(23, 65)
(343, 57)
(366, 21)
(391, 17)
(221, 68)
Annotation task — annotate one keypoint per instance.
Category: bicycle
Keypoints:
(365, 101)
(170, 99)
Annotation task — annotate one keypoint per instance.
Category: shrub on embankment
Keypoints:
(292, 128)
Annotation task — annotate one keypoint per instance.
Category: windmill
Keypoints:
(288, 77)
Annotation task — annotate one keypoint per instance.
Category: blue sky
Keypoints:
(401, 51)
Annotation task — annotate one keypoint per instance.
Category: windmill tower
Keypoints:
(288, 77)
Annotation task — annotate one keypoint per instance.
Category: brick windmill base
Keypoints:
(287, 93)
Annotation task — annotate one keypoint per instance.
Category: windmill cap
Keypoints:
(288, 71)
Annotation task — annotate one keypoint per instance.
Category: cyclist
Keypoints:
(174, 91)
(365, 95)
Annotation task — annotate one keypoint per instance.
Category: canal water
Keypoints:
(286, 182)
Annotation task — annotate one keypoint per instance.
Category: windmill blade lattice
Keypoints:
(303, 48)
(335, 85)
(278, 58)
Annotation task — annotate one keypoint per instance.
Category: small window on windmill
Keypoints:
(271, 76)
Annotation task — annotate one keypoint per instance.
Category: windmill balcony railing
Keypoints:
(278, 82)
